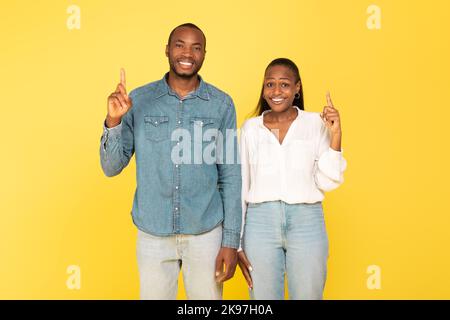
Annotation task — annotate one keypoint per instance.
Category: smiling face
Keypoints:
(186, 51)
(280, 87)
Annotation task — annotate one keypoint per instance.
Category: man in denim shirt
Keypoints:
(187, 204)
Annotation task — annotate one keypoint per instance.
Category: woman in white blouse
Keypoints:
(289, 158)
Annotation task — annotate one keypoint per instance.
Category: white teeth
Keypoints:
(185, 63)
(277, 100)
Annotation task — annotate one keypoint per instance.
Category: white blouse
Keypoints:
(299, 170)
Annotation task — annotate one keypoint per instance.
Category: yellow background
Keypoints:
(390, 85)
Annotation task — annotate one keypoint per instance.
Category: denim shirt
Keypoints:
(179, 192)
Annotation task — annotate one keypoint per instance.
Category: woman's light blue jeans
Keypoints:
(289, 239)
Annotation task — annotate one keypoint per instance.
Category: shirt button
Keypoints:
(176, 187)
(181, 101)
(179, 122)
(156, 122)
(176, 208)
(176, 166)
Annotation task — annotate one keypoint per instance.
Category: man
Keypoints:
(187, 203)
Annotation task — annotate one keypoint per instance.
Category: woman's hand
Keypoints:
(246, 268)
(330, 115)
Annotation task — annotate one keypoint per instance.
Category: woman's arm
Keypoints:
(330, 164)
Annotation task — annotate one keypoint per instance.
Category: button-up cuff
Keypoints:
(114, 131)
(335, 153)
(110, 134)
(230, 239)
(332, 164)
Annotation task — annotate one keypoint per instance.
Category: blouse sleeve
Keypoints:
(245, 172)
(329, 164)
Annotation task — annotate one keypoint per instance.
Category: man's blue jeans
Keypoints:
(161, 258)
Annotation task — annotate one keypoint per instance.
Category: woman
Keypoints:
(289, 158)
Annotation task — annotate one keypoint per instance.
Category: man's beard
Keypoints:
(184, 75)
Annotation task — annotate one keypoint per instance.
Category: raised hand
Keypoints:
(330, 115)
(118, 102)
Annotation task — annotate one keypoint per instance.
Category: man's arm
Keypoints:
(117, 141)
(230, 182)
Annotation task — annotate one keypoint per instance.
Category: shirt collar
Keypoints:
(164, 88)
(261, 120)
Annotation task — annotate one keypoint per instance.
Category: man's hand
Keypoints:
(226, 262)
(118, 103)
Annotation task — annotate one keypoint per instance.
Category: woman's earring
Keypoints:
(297, 95)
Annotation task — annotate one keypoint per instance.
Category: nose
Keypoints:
(187, 52)
(276, 89)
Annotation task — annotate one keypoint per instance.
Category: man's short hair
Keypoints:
(187, 25)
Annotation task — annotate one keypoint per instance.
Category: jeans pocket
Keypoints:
(253, 205)
(156, 128)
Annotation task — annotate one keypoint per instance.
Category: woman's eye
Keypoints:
(178, 45)
(269, 85)
(285, 85)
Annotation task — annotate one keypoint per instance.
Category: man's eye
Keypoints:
(197, 48)
(285, 85)
(178, 45)
(269, 84)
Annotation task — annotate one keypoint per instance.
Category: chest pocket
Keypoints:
(156, 128)
(204, 133)
(201, 121)
(201, 127)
